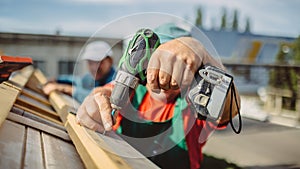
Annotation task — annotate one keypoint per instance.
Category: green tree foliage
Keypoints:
(287, 78)
(198, 21)
(235, 22)
(248, 27)
(224, 19)
(296, 49)
(283, 77)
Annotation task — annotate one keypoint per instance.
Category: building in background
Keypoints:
(53, 54)
(56, 54)
(236, 48)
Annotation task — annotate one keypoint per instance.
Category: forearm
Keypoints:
(67, 89)
(49, 87)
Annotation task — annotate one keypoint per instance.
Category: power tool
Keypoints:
(208, 92)
(132, 67)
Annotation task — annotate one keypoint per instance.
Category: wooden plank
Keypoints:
(17, 111)
(44, 121)
(33, 155)
(31, 116)
(60, 154)
(36, 96)
(8, 96)
(37, 106)
(54, 120)
(22, 76)
(36, 81)
(62, 104)
(11, 144)
(39, 126)
(99, 151)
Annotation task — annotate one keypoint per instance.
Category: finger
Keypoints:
(165, 71)
(164, 62)
(177, 74)
(188, 76)
(164, 79)
(152, 79)
(105, 111)
(84, 119)
(88, 122)
(104, 90)
(154, 61)
(153, 71)
(92, 108)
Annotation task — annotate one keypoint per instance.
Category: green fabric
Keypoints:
(169, 31)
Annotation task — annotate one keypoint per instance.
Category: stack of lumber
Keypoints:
(38, 131)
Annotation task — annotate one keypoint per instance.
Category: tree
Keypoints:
(248, 27)
(235, 21)
(287, 78)
(198, 21)
(296, 49)
(224, 19)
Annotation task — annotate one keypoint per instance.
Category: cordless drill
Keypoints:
(132, 67)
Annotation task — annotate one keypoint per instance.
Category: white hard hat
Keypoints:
(96, 51)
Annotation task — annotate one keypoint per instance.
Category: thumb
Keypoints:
(105, 110)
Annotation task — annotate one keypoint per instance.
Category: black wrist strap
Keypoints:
(233, 94)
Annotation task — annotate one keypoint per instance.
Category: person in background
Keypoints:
(98, 55)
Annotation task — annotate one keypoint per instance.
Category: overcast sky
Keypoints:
(84, 17)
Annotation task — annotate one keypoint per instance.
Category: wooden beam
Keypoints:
(36, 81)
(55, 120)
(12, 138)
(37, 106)
(62, 104)
(34, 151)
(31, 116)
(8, 96)
(36, 96)
(39, 126)
(98, 151)
(22, 76)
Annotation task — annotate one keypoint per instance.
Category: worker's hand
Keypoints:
(95, 111)
(49, 87)
(53, 86)
(174, 64)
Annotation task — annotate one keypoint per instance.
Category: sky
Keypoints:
(85, 17)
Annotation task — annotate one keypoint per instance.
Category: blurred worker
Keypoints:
(159, 122)
(98, 55)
